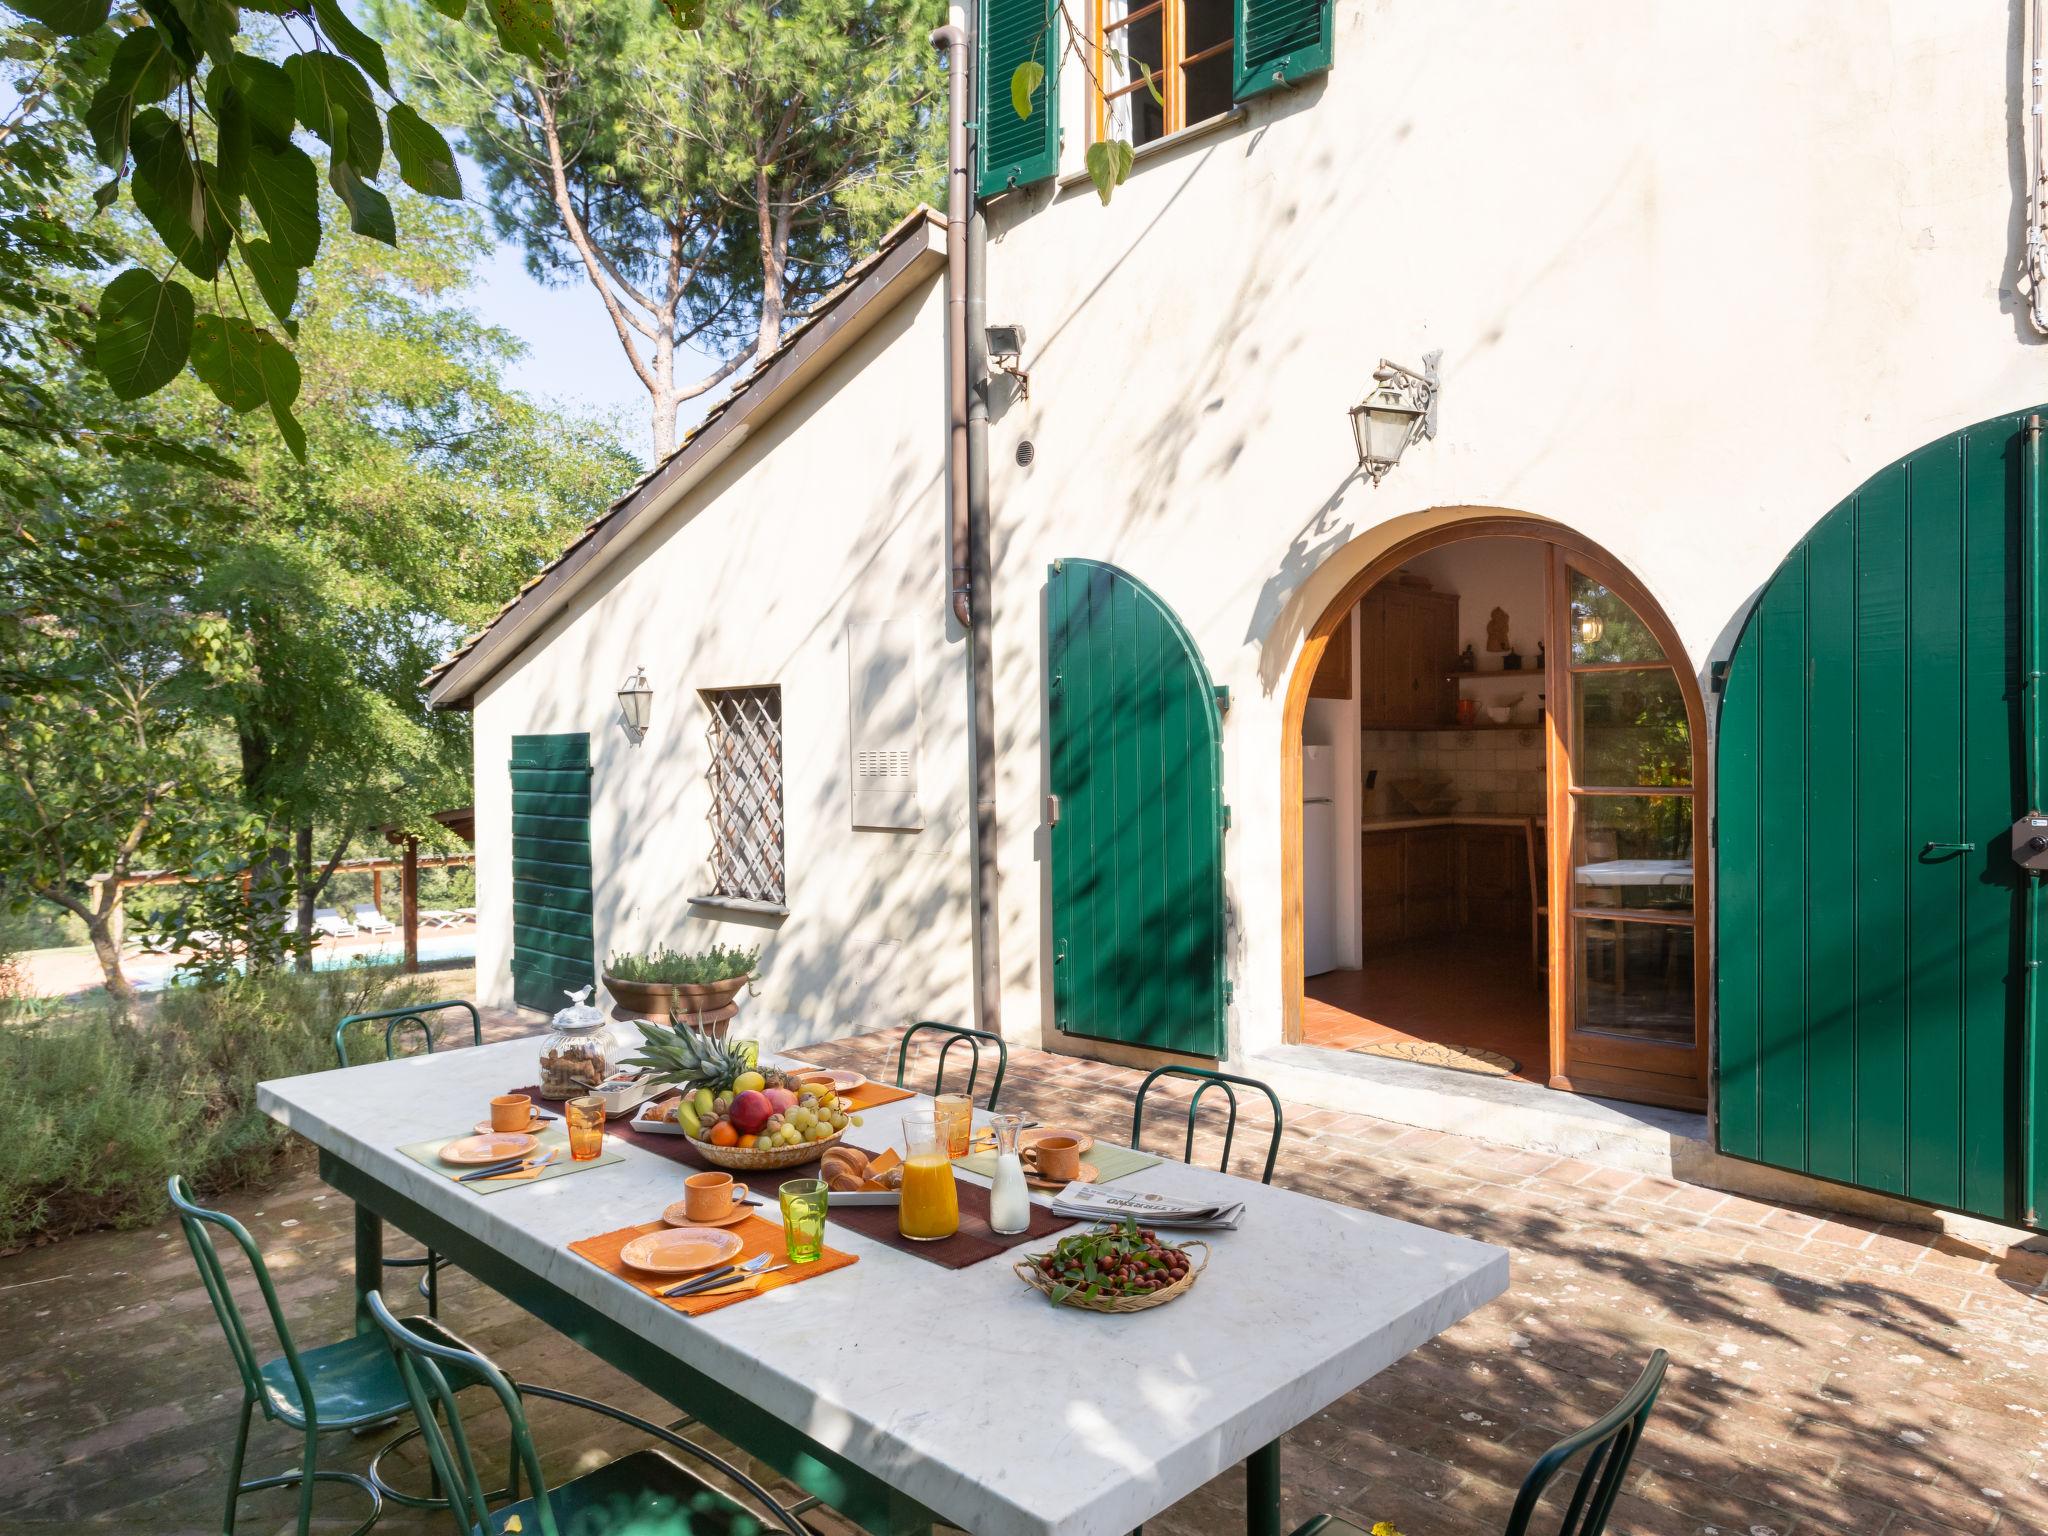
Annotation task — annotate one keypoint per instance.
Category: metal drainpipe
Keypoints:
(967, 495)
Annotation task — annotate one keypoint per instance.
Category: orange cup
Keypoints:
(511, 1112)
(711, 1196)
(1057, 1157)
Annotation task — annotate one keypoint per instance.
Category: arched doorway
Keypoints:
(1603, 929)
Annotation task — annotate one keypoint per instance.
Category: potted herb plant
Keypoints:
(665, 983)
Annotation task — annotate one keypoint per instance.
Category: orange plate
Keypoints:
(841, 1081)
(493, 1147)
(680, 1250)
(535, 1125)
(676, 1216)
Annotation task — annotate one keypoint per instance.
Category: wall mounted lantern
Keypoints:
(1591, 628)
(1400, 409)
(635, 700)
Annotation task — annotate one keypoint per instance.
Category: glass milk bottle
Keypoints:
(1009, 1203)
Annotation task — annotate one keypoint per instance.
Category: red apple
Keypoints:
(750, 1111)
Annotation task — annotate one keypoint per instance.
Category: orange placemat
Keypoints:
(756, 1236)
(871, 1095)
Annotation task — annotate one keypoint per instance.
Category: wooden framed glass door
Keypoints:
(1627, 868)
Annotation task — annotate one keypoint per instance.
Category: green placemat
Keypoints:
(1108, 1162)
(426, 1153)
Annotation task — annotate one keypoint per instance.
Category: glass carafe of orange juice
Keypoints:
(931, 1206)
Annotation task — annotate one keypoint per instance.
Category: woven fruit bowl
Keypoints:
(753, 1159)
(1028, 1269)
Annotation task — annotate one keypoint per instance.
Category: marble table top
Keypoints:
(964, 1389)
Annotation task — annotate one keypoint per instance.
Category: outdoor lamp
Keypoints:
(634, 699)
(1591, 629)
(1400, 409)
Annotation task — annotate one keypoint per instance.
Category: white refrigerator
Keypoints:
(1318, 859)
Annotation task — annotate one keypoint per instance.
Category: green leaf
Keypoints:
(1029, 76)
(1109, 162)
(452, 9)
(214, 23)
(169, 187)
(165, 14)
(276, 278)
(289, 429)
(144, 333)
(352, 40)
(284, 188)
(333, 100)
(224, 357)
(105, 195)
(1151, 82)
(369, 211)
(268, 93)
(108, 118)
(143, 67)
(425, 162)
(66, 18)
(527, 27)
(279, 371)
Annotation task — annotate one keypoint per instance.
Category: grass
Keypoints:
(675, 967)
(98, 1113)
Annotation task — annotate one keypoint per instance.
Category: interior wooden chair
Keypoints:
(644, 1493)
(394, 1020)
(1206, 1079)
(956, 1034)
(1599, 1455)
(348, 1385)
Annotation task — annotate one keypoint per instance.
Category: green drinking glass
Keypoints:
(803, 1218)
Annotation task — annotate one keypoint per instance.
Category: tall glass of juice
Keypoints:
(931, 1206)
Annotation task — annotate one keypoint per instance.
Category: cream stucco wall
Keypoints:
(832, 513)
(1695, 272)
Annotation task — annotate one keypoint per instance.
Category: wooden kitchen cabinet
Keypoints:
(1333, 673)
(1408, 643)
(1431, 882)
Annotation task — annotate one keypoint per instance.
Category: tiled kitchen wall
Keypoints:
(1495, 773)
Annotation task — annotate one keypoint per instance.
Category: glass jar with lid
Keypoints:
(577, 1054)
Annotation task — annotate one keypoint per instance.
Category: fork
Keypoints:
(724, 1276)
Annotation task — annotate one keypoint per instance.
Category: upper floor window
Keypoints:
(1186, 46)
(746, 794)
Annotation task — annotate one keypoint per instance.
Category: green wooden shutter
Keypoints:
(1134, 749)
(1016, 151)
(553, 948)
(1870, 976)
(1280, 41)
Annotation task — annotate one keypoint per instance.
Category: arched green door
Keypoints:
(1135, 762)
(1872, 953)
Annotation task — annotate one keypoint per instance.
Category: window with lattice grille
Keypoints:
(746, 793)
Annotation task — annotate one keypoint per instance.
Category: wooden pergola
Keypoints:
(462, 822)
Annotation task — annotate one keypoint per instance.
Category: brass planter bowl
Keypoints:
(662, 1000)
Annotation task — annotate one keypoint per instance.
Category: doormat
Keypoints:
(1459, 1058)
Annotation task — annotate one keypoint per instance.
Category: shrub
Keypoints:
(97, 1113)
(677, 968)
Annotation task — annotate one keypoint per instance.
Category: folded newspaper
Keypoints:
(1091, 1202)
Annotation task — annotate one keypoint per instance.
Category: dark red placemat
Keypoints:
(976, 1240)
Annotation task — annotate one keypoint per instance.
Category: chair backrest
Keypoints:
(1205, 1079)
(433, 1364)
(196, 1221)
(395, 1019)
(957, 1034)
(1602, 1451)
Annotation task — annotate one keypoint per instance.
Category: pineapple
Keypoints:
(688, 1056)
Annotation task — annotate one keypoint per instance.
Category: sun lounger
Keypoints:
(369, 920)
(330, 922)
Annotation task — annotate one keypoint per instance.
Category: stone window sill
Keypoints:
(741, 904)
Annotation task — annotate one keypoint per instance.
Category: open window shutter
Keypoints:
(1016, 151)
(1279, 41)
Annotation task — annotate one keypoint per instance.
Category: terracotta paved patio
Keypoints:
(1830, 1375)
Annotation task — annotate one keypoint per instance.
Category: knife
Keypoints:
(517, 1167)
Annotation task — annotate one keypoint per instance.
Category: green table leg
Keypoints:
(369, 1262)
(1262, 1491)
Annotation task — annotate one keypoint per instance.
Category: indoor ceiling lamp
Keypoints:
(1400, 409)
(635, 699)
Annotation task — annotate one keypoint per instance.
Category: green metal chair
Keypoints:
(395, 1019)
(957, 1034)
(349, 1385)
(645, 1493)
(1229, 1082)
(1606, 1448)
